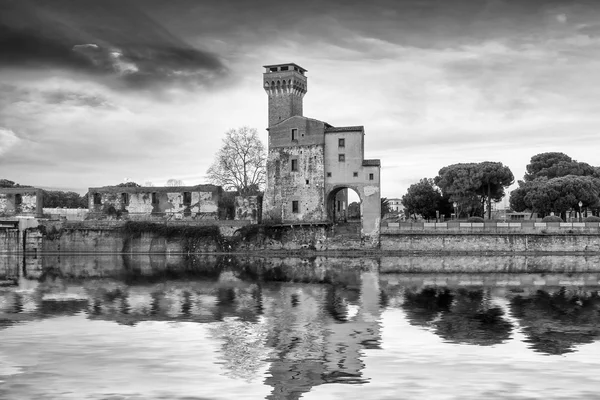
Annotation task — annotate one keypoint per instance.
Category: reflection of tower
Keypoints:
(346, 340)
(314, 347)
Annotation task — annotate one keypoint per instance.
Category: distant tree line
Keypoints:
(554, 183)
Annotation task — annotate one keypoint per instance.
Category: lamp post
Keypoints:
(580, 204)
(455, 204)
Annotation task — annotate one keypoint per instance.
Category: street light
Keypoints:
(580, 204)
(455, 204)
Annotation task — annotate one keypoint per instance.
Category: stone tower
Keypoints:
(286, 86)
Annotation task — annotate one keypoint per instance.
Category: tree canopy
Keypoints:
(473, 185)
(423, 199)
(240, 162)
(555, 183)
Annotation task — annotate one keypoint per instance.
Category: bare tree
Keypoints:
(174, 182)
(240, 162)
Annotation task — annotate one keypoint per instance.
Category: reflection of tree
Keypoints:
(243, 350)
(473, 320)
(423, 307)
(462, 317)
(555, 323)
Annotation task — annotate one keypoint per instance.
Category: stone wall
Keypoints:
(424, 242)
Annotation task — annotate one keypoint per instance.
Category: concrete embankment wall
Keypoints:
(490, 242)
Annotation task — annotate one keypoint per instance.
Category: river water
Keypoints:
(113, 327)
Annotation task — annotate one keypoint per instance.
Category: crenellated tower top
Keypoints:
(285, 85)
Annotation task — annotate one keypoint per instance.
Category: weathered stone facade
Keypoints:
(181, 202)
(21, 202)
(311, 164)
(248, 208)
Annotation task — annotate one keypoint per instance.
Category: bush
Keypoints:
(475, 219)
(591, 218)
(552, 218)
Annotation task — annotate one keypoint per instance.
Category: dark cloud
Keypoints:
(110, 38)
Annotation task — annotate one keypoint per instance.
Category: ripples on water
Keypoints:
(223, 328)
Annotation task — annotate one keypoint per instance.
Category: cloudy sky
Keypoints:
(93, 92)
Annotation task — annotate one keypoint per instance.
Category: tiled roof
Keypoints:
(345, 129)
(368, 163)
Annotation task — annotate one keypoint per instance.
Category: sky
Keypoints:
(98, 92)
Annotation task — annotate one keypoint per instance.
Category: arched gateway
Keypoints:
(311, 161)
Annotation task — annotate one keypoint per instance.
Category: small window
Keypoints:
(18, 199)
(284, 68)
(294, 134)
(125, 198)
(294, 165)
(329, 174)
(341, 142)
(307, 182)
(371, 177)
(154, 198)
(273, 69)
(97, 199)
(187, 198)
(341, 157)
(295, 206)
(355, 174)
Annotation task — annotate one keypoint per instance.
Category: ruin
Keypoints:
(311, 164)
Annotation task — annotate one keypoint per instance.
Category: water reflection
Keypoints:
(297, 323)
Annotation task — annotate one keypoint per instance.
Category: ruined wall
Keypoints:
(170, 203)
(304, 186)
(20, 201)
(248, 208)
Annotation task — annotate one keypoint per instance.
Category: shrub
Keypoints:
(552, 218)
(591, 218)
(475, 219)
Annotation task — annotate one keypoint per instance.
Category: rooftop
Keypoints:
(285, 65)
(358, 128)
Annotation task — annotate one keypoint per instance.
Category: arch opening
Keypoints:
(344, 210)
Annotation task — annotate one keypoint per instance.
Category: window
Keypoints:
(97, 199)
(307, 182)
(371, 177)
(294, 165)
(329, 174)
(187, 198)
(284, 68)
(355, 174)
(341, 157)
(295, 206)
(18, 199)
(341, 142)
(294, 134)
(125, 198)
(154, 198)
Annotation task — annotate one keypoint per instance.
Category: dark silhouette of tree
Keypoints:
(385, 206)
(422, 198)
(128, 184)
(557, 322)
(554, 182)
(473, 185)
(57, 198)
(461, 316)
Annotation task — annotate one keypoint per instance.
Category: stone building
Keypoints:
(177, 202)
(311, 163)
(19, 201)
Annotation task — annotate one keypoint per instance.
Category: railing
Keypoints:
(491, 227)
